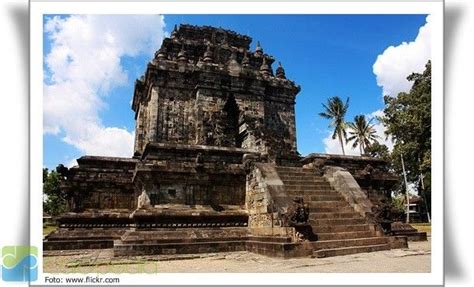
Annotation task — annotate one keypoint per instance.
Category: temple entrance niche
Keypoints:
(230, 123)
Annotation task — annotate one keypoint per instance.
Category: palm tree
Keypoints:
(362, 133)
(335, 110)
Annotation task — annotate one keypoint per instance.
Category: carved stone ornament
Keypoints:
(143, 200)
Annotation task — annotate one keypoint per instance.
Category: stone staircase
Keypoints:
(339, 229)
(171, 241)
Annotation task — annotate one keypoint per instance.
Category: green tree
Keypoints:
(407, 118)
(54, 198)
(362, 133)
(335, 110)
(378, 150)
(398, 202)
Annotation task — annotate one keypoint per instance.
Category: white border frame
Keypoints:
(436, 277)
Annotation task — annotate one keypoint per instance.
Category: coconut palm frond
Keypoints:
(363, 132)
(335, 109)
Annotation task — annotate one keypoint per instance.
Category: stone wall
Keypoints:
(192, 175)
(101, 183)
(267, 202)
(280, 125)
(212, 90)
(344, 183)
(196, 189)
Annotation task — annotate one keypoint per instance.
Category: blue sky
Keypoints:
(327, 55)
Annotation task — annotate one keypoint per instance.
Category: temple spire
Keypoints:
(280, 72)
(174, 34)
(258, 50)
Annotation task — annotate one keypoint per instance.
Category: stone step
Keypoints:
(138, 240)
(328, 197)
(313, 215)
(329, 244)
(305, 182)
(302, 188)
(299, 174)
(278, 249)
(123, 249)
(335, 204)
(345, 235)
(309, 193)
(281, 167)
(342, 228)
(297, 171)
(75, 244)
(349, 250)
(304, 194)
(270, 239)
(316, 198)
(300, 192)
(336, 221)
(344, 209)
(180, 234)
(302, 180)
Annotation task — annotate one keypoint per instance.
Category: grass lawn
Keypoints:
(48, 229)
(422, 227)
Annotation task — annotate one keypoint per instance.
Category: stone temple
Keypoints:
(216, 167)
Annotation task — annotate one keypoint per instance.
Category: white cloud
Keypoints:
(333, 146)
(71, 163)
(380, 129)
(396, 63)
(391, 69)
(83, 66)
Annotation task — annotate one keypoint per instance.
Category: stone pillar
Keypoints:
(140, 132)
(199, 126)
(153, 107)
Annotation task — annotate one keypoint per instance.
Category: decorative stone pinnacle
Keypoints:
(280, 72)
(208, 55)
(245, 60)
(182, 55)
(265, 68)
(233, 64)
(160, 54)
(258, 50)
(175, 32)
(233, 56)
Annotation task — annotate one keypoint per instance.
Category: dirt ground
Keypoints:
(416, 259)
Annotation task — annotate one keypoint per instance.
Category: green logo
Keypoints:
(20, 263)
